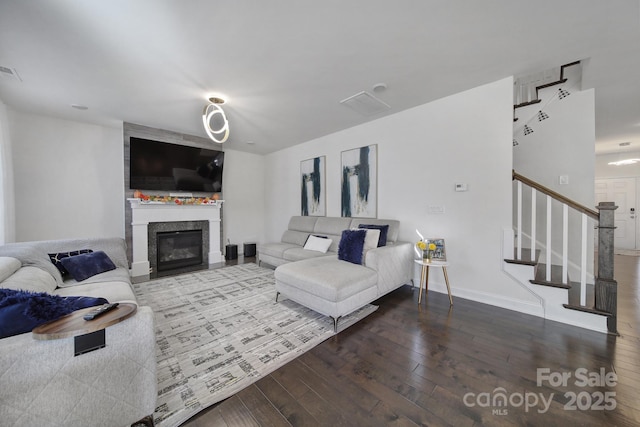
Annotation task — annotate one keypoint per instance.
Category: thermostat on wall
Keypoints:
(461, 187)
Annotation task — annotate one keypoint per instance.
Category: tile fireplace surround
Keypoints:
(144, 213)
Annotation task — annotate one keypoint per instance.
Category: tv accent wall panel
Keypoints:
(313, 193)
(360, 182)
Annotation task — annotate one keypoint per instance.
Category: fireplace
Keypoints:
(147, 219)
(177, 249)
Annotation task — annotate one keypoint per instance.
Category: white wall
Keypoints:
(68, 178)
(7, 202)
(244, 202)
(564, 144)
(422, 153)
(69, 182)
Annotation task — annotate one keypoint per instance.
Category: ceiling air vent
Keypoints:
(365, 104)
(7, 73)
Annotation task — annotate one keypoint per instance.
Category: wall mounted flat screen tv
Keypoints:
(156, 165)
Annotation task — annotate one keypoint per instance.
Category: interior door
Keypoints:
(622, 191)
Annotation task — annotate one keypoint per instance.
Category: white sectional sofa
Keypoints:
(327, 284)
(42, 382)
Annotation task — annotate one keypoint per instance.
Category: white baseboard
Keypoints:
(533, 309)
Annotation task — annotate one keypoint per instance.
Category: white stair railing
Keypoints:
(563, 228)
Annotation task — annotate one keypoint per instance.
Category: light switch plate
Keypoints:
(564, 179)
(461, 186)
(436, 209)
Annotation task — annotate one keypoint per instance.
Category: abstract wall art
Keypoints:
(360, 182)
(312, 186)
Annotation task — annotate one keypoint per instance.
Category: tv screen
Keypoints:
(156, 165)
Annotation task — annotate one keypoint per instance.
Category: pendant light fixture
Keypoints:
(213, 112)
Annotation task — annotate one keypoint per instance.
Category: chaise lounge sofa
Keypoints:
(42, 382)
(327, 284)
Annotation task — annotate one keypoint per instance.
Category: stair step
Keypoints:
(524, 104)
(557, 82)
(586, 309)
(574, 295)
(525, 259)
(556, 277)
(574, 299)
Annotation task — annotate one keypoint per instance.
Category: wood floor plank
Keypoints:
(261, 408)
(286, 404)
(235, 413)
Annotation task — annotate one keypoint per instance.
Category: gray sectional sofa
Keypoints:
(323, 282)
(42, 382)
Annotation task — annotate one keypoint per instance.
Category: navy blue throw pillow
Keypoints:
(55, 259)
(83, 266)
(351, 245)
(384, 229)
(21, 311)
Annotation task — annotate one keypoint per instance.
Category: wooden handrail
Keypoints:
(549, 192)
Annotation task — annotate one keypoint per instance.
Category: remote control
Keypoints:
(99, 311)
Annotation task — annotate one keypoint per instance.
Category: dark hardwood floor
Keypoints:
(408, 365)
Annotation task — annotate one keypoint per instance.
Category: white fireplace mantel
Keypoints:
(144, 213)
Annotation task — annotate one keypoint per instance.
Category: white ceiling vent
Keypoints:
(7, 73)
(365, 104)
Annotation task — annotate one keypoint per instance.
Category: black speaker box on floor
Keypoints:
(231, 252)
(249, 250)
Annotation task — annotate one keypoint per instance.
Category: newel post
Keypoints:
(606, 288)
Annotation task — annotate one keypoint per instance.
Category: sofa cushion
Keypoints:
(31, 255)
(21, 311)
(8, 266)
(351, 246)
(114, 247)
(327, 278)
(83, 266)
(116, 291)
(297, 254)
(302, 223)
(331, 225)
(276, 249)
(297, 238)
(56, 257)
(30, 278)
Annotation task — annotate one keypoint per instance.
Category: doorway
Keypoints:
(622, 191)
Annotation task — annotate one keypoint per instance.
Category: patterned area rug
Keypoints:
(218, 331)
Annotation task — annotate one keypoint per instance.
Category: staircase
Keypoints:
(576, 302)
(527, 89)
(550, 250)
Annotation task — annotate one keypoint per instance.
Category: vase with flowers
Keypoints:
(427, 250)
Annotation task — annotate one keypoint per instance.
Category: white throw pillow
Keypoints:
(370, 239)
(320, 244)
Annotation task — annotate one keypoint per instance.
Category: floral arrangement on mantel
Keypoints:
(144, 198)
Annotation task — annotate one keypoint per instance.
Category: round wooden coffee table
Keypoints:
(73, 324)
(88, 335)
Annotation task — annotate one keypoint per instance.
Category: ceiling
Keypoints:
(286, 65)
